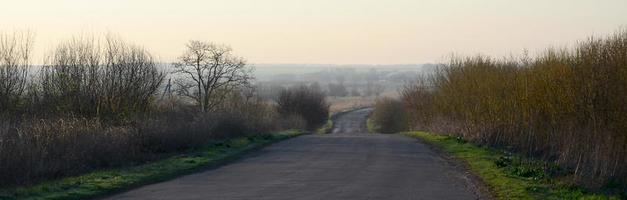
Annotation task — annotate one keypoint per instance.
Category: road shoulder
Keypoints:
(503, 175)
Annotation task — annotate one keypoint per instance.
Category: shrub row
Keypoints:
(565, 105)
(35, 149)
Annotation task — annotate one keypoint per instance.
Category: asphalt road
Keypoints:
(347, 164)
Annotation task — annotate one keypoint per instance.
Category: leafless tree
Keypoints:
(210, 72)
(15, 52)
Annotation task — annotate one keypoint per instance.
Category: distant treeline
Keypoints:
(341, 81)
(567, 106)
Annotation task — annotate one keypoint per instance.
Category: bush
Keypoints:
(308, 103)
(112, 81)
(38, 149)
(388, 116)
(244, 113)
(565, 106)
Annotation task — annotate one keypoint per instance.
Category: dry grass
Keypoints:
(339, 104)
(39, 149)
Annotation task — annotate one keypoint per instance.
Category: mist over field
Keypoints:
(354, 77)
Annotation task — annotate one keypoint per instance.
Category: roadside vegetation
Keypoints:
(326, 128)
(509, 176)
(107, 181)
(303, 105)
(564, 107)
(388, 116)
(107, 104)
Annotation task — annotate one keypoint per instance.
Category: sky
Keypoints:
(323, 31)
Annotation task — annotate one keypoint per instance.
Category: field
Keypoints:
(339, 104)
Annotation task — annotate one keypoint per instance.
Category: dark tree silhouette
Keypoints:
(211, 71)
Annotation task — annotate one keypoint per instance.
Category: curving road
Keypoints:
(347, 164)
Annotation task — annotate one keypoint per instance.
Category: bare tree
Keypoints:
(210, 72)
(14, 62)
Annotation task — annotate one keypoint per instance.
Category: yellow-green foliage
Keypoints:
(565, 105)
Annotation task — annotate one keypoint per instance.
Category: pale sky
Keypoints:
(323, 31)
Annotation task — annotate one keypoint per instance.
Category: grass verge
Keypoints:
(508, 176)
(326, 128)
(105, 182)
(372, 128)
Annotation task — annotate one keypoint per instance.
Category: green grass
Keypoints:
(508, 176)
(326, 128)
(371, 126)
(105, 182)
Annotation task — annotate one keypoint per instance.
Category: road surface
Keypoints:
(347, 164)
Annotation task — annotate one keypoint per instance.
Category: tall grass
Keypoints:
(34, 149)
(566, 105)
